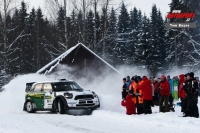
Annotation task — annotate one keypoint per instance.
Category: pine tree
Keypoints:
(111, 38)
(134, 20)
(124, 20)
(73, 30)
(32, 41)
(60, 25)
(154, 60)
(143, 42)
(90, 29)
(80, 26)
(179, 38)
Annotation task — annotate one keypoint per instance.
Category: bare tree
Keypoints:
(105, 7)
(95, 24)
(5, 8)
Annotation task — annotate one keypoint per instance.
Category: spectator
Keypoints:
(164, 93)
(146, 94)
(129, 104)
(171, 99)
(156, 98)
(124, 89)
(182, 92)
(191, 88)
(128, 81)
(176, 85)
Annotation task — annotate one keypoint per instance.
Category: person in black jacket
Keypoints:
(191, 88)
(124, 89)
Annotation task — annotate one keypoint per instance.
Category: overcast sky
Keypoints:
(143, 5)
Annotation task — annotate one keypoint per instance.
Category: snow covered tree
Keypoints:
(155, 57)
(60, 25)
(73, 30)
(143, 42)
(123, 20)
(111, 38)
(90, 29)
(80, 24)
(186, 41)
(23, 15)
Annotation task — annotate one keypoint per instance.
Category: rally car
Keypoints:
(58, 96)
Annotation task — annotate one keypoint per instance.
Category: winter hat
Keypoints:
(186, 75)
(163, 76)
(128, 77)
(139, 78)
(124, 79)
(191, 74)
(168, 76)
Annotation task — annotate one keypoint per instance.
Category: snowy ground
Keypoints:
(110, 118)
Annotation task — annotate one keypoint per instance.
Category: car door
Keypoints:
(48, 96)
(38, 96)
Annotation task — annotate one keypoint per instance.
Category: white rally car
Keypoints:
(58, 96)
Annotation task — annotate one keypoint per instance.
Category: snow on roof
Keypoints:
(56, 61)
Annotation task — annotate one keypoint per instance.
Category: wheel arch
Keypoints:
(55, 102)
(27, 100)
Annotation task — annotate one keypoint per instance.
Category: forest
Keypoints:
(30, 40)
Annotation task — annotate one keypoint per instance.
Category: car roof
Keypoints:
(53, 81)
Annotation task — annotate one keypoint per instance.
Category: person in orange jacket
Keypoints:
(136, 94)
(129, 104)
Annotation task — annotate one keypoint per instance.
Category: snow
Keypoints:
(110, 118)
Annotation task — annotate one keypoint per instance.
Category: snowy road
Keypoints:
(110, 118)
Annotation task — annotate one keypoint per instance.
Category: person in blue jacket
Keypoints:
(128, 82)
(171, 90)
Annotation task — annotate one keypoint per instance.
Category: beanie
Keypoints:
(191, 74)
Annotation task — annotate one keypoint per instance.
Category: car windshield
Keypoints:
(66, 86)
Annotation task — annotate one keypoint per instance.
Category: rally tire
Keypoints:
(29, 107)
(61, 107)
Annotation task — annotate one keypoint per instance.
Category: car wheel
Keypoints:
(61, 107)
(29, 107)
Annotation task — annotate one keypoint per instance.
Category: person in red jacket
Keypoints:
(164, 94)
(130, 105)
(146, 94)
(182, 93)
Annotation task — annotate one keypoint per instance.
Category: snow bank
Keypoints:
(110, 118)
(13, 96)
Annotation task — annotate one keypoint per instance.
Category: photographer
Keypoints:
(191, 89)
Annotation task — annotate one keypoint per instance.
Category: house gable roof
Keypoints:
(50, 66)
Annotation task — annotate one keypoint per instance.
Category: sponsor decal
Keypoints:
(35, 95)
(47, 97)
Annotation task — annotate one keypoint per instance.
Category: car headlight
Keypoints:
(94, 94)
(68, 95)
